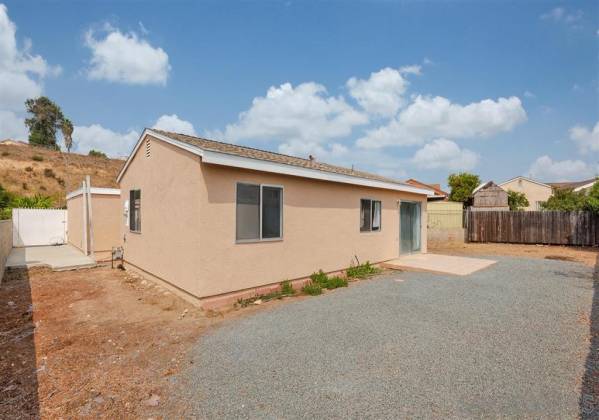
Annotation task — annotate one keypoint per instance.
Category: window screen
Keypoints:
(271, 212)
(365, 212)
(135, 210)
(248, 211)
(370, 215)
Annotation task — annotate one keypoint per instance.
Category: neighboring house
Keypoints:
(439, 194)
(217, 221)
(536, 192)
(489, 196)
(105, 217)
(576, 185)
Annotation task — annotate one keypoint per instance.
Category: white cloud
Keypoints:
(382, 93)
(305, 113)
(529, 94)
(445, 154)
(12, 126)
(126, 58)
(110, 142)
(175, 124)
(560, 14)
(546, 169)
(21, 72)
(586, 139)
(431, 117)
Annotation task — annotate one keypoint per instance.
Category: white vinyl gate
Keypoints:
(31, 227)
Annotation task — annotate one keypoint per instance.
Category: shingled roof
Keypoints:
(249, 152)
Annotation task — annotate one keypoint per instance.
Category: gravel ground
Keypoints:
(508, 341)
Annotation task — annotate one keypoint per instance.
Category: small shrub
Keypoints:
(5, 213)
(97, 153)
(49, 173)
(60, 181)
(42, 188)
(312, 289)
(37, 158)
(29, 169)
(5, 153)
(287, 288)
(336, 281)
(319, 278)
(362, 270)
(25, 187)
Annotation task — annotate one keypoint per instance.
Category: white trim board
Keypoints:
(226, 159)
(95, 190)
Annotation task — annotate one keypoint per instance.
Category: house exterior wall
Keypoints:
(5, 244)
(535, 193)
(188, 224)
(106, 220)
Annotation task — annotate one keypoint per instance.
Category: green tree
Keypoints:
(46, 119)
(97, 153)
(592, 202)
(462, 185)
(517, 200)
(66, 127)
(565, 200)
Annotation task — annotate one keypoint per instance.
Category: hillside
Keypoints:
(28, 170)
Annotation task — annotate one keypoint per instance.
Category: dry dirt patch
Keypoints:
(93, 342)
(585, 255)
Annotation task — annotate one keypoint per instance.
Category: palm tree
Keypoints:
(67, 131)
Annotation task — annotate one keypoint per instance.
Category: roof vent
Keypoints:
(147, 147)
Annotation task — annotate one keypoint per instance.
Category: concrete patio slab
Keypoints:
(61, 257)
(443, 264)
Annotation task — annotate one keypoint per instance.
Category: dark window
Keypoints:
(271, 212)
(135, 210)
(259, 212)
(370, 215)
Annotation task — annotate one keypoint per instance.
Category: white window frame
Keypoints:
(372, 200)
(261, 239)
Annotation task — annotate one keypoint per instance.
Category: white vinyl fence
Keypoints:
(32, 227)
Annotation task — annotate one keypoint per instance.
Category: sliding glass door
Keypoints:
(409, 218)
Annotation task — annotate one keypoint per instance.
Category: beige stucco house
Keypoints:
(215, 221)
(536, 192)
(105, 217)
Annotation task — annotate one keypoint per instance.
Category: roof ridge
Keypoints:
(324, 164)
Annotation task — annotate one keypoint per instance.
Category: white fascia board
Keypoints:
(585, 186)
(95, 190)
(226, 159)
(147, 131)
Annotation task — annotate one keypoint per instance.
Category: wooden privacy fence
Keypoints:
(533, 227)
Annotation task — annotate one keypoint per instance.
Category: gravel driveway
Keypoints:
(508, 341)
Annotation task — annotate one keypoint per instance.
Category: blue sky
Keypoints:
(405, 89)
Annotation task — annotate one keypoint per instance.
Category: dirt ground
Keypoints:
(585, 255)
(93, 342)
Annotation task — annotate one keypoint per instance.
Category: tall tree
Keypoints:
(517, 200)
(46, 119)
(67, 133)
(462, 185)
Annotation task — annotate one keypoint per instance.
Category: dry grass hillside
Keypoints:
(28, 170)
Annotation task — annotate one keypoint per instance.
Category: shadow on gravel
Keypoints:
(589, 397)
(18, 374)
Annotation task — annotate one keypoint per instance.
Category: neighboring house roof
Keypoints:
(95, 190)
(481, 186)
(525, 179)
(435, 187)
(576, 185)
(261, 160)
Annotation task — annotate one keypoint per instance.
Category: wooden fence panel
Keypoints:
(533, 227)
